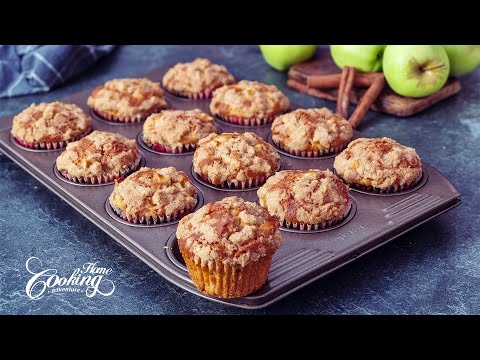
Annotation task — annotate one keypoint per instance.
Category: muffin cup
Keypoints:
(235, 120)
(312, 154)
(106, 178)
(193, 96)
(184, 148)
(390, 190)
(227, 281)
(51, 146)
(126, 119)
(313, 227)
(153, 220)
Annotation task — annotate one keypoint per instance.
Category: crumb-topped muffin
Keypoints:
(311, 132)
(177, 131)
(249, 103)
(235, 160)
(305, 199)
(50, 125)
(228, 246)
(128, 100)
(153, 196)
(381, 165)
(99, 158)
(197, 79)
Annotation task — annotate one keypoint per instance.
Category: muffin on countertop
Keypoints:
(235, 160)
(98, 158)
(196, 79)
(305, 199)
(228, 246)
(50, 125)
(127, 100)
(249, 103)
(177, 131)
(381, 165)
(153, 196)
(311, 132)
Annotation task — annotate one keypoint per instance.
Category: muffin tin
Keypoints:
(374, 219)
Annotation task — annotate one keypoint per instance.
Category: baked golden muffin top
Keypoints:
(98, 154)
(235, 157)
(231, 230)
(50, 123)
(195, 77)
(249, 100)
(178, 127)
(311, 130)
(381, 163)
(154, 192)
(305, 196)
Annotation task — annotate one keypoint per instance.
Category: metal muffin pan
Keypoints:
(305, 256)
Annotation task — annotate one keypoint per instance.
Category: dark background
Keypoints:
(434, 269)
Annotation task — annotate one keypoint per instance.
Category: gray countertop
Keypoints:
(434, 269)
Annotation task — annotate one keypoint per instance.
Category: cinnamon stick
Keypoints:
(367, 100)
(297, 85)
(332, 81)
(345, 90)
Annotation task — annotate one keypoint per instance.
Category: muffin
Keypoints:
(233, 160)
(248, 103)
(196, 79)
(177, 131)
(311, 132)
(128, 100)
(305, 199)
(98, 158)
(50, 125)
(151, 196)
(379, 165)
(228, 246)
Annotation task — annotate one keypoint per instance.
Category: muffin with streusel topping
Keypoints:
(50, 125)
(99, 157)
(379, 165)
(249, 103)
(233, 160)
(177, 131)
(311, 132)
(151, 196)
(197, 79)
(305, 199)
(228, 246)
(128, 100)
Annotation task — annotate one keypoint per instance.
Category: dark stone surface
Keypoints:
(434, 269)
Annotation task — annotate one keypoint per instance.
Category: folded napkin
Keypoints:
(29, 69)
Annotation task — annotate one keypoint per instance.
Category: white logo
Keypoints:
(90, 278)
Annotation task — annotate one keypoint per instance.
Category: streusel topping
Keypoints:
(197, 76)
(311, 130)
(232, 230)
(249, 100)
(178, 127)
(154, 192)
(381, 163)
(305, 196)
(127, 97)
(50, 123)
(234, 156)
(98, 154)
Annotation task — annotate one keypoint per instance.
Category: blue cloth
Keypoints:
(29, 69)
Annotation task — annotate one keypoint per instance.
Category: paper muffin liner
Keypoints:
(192, 96)
(248, 122)
(311, 154)
(184, 148)
(51, 146)
(127, 119)
(227, 281)
(312, 227)
(153, 220)
(390, 190)
(106, 178)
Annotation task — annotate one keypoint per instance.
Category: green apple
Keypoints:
(463, 58)
(281, 57)
(415, 70)
(364, 58)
